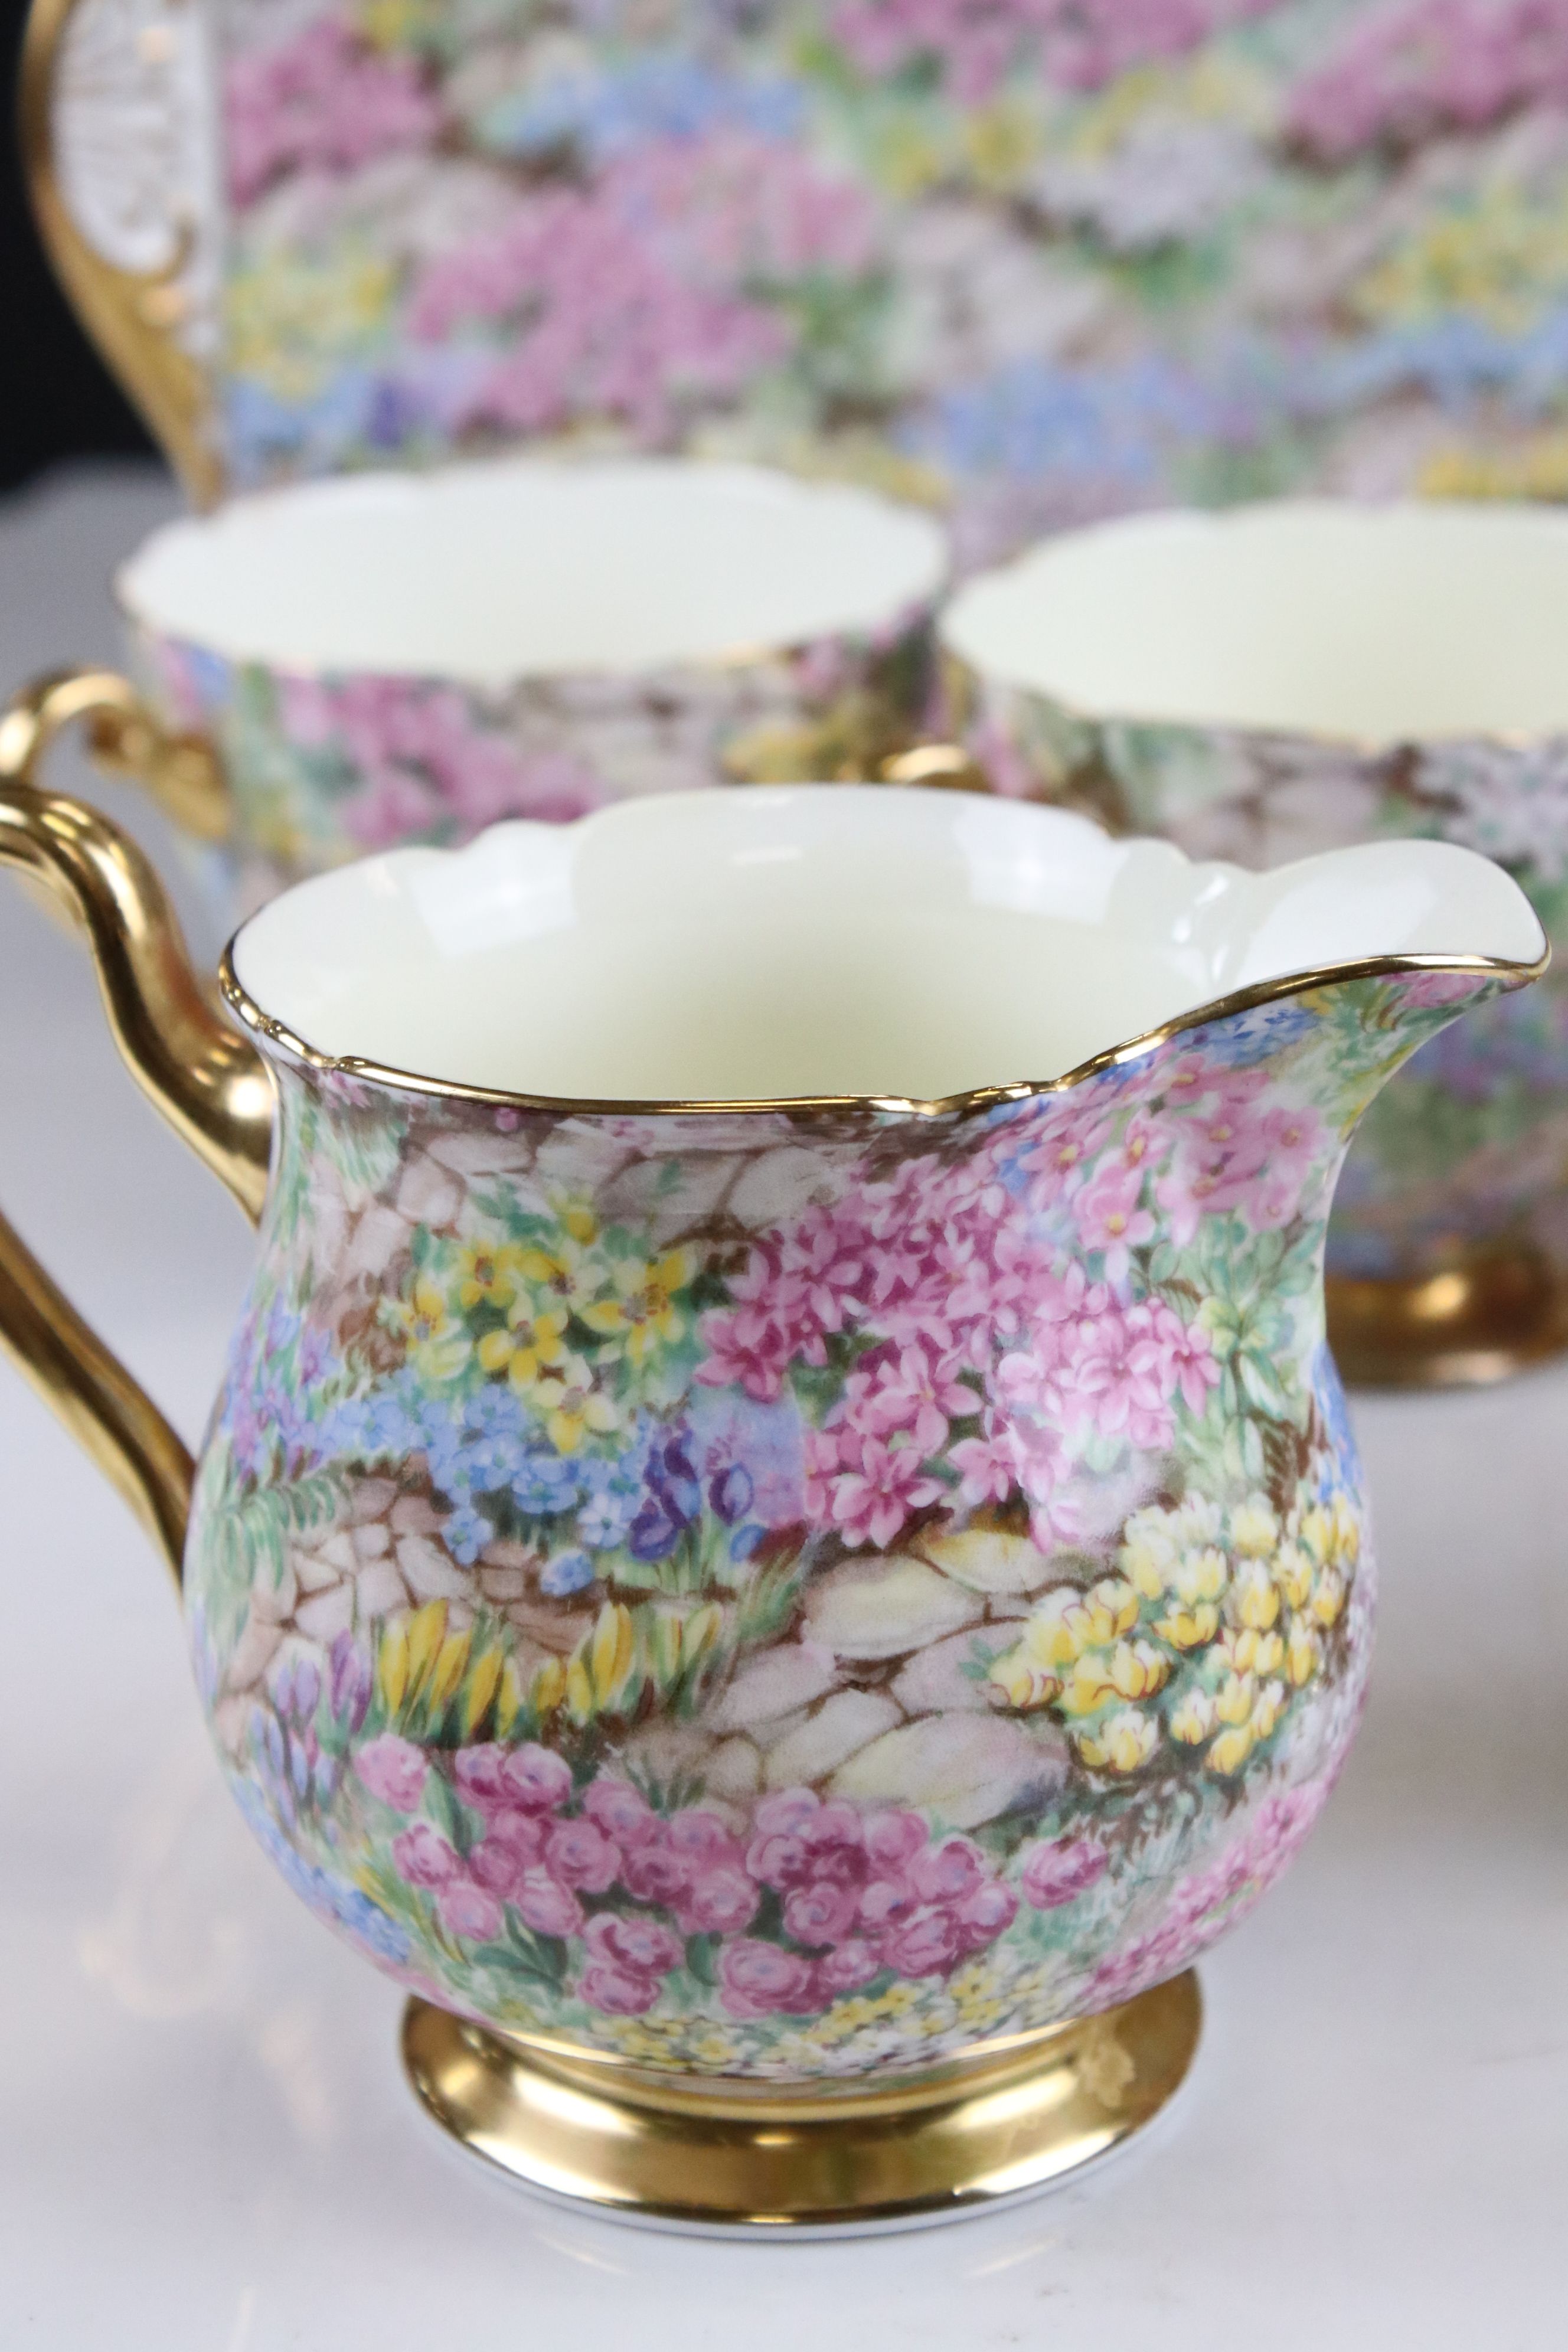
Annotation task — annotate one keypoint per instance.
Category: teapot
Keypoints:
(779, 1543)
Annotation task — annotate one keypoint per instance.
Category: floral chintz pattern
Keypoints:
(1035, 259)
(1465, 1157)
(326, 769)
(783, 1593)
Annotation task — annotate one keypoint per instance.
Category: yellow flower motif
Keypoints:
(572, 1269)
(438, 1348)
(1058, 1630)
(1000, 144)
(1231, 1750)
(1149, 1553)
(573, 1407)
(1193, 1719)
(1328, 1596)
(643, 1312)
(533, 1342)
(1316, 1533)
(1293, 1574)
(600, 1671)
(1253, 1596)
(1123, 1742)
(1197, 1522)
(1138, 1669)
(1022, 1684)
(1232, 1700)
(1267, 1709)
(1189, 1629)
(1254, 1528)
(1304, 1653)
(548, 1688)
(1347, 1534)
(1112, 1606)
(488, 1274)
(1089, 1686)
(1201, 1575)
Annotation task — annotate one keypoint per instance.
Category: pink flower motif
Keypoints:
(893, 1838)
(865, 1489)
(423, 1857)
(477, 1772)
(323, 101)
(640, 1944)
(616, 1991)
(719, 1902)
(1111, 1219)
(1059, 1872)
(548, 1908)
(470, 1911)
(847, 1966)
(762, 1979)
(580, 1855)
(1404, 74)
(621, 1812)
(522, 1834)
(392, 1769)
(820, 1912)
(926, 1944)
(947, 1872)
(497, 1867)
(703, 1837)
(654, 1873)
(537, 1779)
(985, 1913)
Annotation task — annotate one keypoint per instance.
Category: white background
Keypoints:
(206, 2145)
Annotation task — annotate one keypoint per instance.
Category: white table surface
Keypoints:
(206, 2144)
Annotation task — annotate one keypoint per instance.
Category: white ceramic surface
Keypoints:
(205, 2146)
(1387, 624)
(731, 946)
(523, 568)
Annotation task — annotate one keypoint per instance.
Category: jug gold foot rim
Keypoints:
(771, 2160)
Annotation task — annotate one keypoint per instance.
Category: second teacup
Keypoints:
(1298, 676)
(392, 658)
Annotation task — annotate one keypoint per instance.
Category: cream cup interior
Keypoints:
(822, 939)
(1379, 623)
(487, 573)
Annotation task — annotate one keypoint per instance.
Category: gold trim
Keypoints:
(1479, 1320)
(208, 1081)
(128, 314)
(733, 2154)
(975, 1099)
(179, 770)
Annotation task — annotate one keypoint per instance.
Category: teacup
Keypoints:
(412, 657)
(1045, 261)
(1296, 676)
(780, 1542)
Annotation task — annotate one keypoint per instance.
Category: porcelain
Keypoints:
(778, 1507)
(1298, 676)
(394, 659)
(1040, 261)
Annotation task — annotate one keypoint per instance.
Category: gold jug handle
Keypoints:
(207, 1080)
(131, 315)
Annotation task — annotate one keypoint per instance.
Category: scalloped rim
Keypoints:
(262, 1024)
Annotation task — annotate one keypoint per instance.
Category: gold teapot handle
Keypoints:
(207, 1080)
(131, 315)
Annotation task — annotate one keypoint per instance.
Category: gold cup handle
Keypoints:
(208, 1081)
(131, 315)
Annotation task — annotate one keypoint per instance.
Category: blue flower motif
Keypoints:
(656, 97)
(569, 1572)
(1245, 1038)
(466, 1534)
